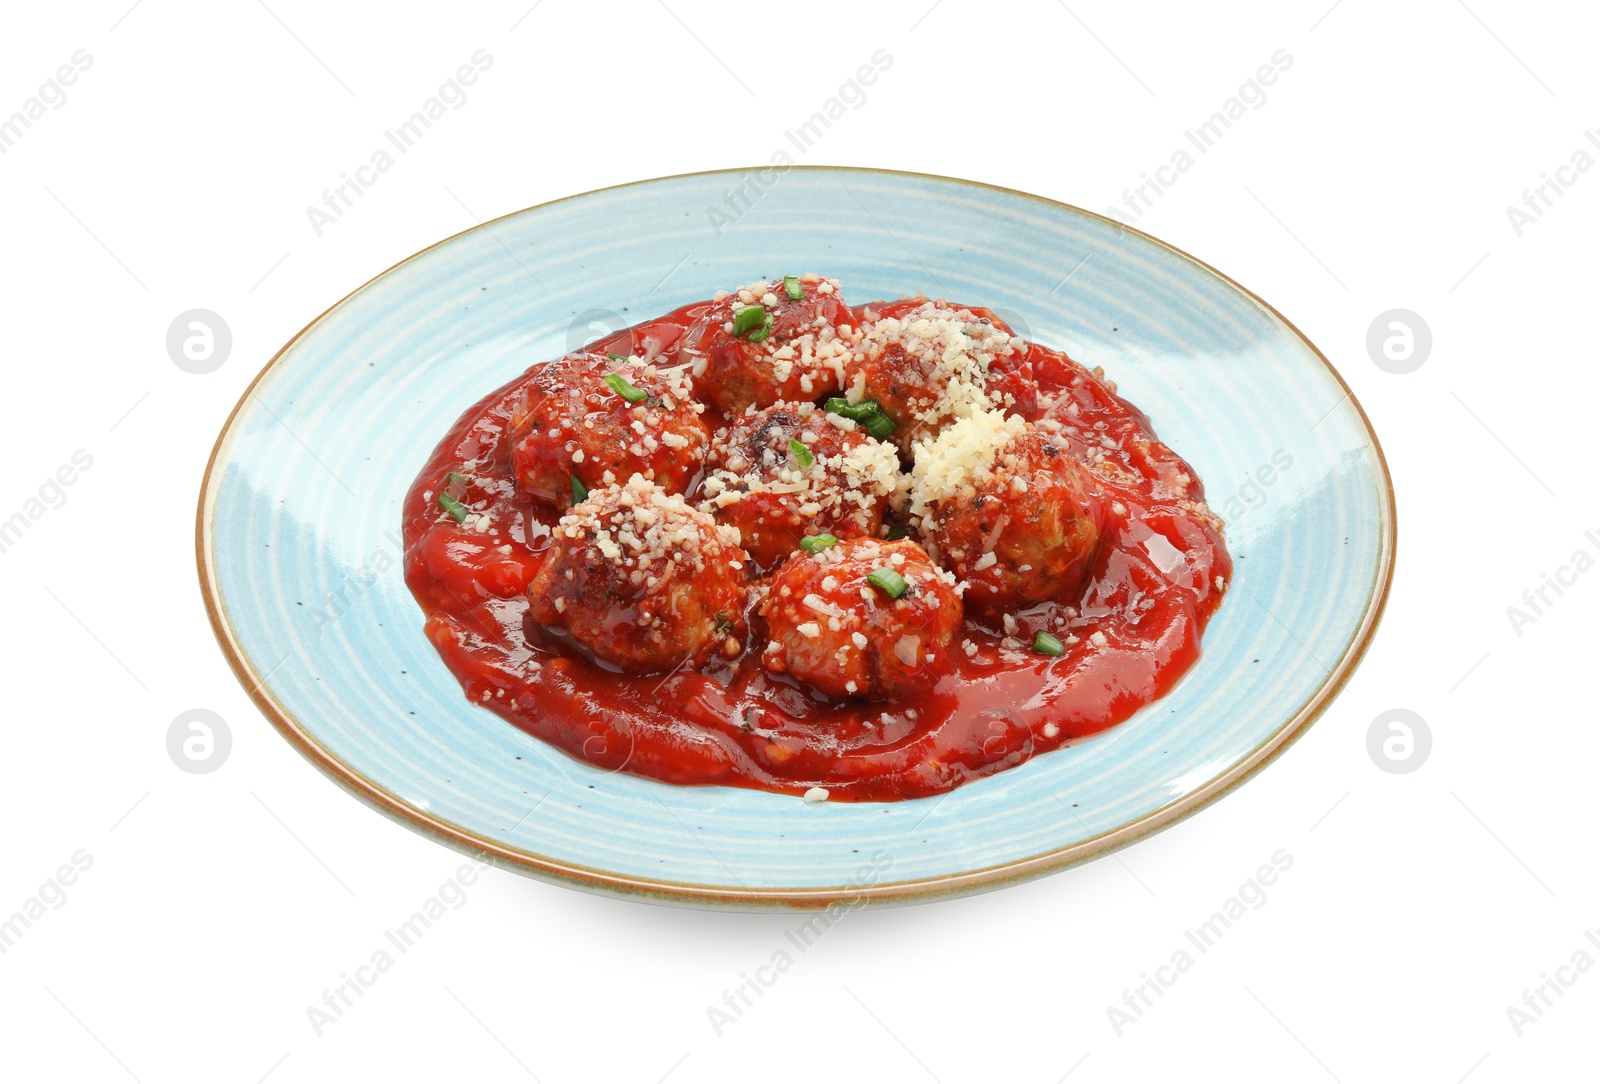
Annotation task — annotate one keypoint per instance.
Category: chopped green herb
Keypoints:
(579, 490)
(897, 532)
(619, 384)
(802, 454)
(888, 581)
(816, 543)
(856, 412)
(615, 357)
(761, 332)
(881, 425)
(1045, 644)
(455, 479)
(453, 506)
(867, 412)
(747, 319)
(791, 286)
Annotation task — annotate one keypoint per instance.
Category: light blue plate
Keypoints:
(300, 514)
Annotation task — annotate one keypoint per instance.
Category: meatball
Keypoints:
(928, 364)
(788, 351)
(600, 419)
(839, 480)
(874, 311)
(1006, 508)
(642, 580)
(831, 627)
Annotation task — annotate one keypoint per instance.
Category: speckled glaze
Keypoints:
(298, 531)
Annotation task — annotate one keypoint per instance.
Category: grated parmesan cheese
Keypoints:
(642, 525)
(959, 459)
(950, 350)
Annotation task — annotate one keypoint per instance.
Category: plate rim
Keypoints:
(916, 890)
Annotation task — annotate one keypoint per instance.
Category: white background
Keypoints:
(1377, 175)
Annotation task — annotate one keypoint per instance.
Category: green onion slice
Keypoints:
(802, 454)
(761, 332)
(897, 532)
(881, 426)
(615, 357)
(867, 412)
(888, 581)
(619, 384)
(1045, 644)
(791, 286)
(856, 412)
(579, 491)
(453, 506)
(816, 543)
(749, 318)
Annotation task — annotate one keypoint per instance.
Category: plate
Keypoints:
(299, 547)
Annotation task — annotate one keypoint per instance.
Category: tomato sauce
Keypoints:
(1159, 573)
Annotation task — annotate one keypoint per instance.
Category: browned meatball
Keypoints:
(574, 423)
(642, 580)
(930, 363)
(1008, 510)
(838, 482)
(834, 629)
(790, 351)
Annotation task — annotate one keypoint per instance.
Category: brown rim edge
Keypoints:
(915, 891)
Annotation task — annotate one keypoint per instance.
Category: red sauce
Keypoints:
(1157, 576)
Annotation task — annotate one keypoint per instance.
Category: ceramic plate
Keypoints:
(298, 533)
